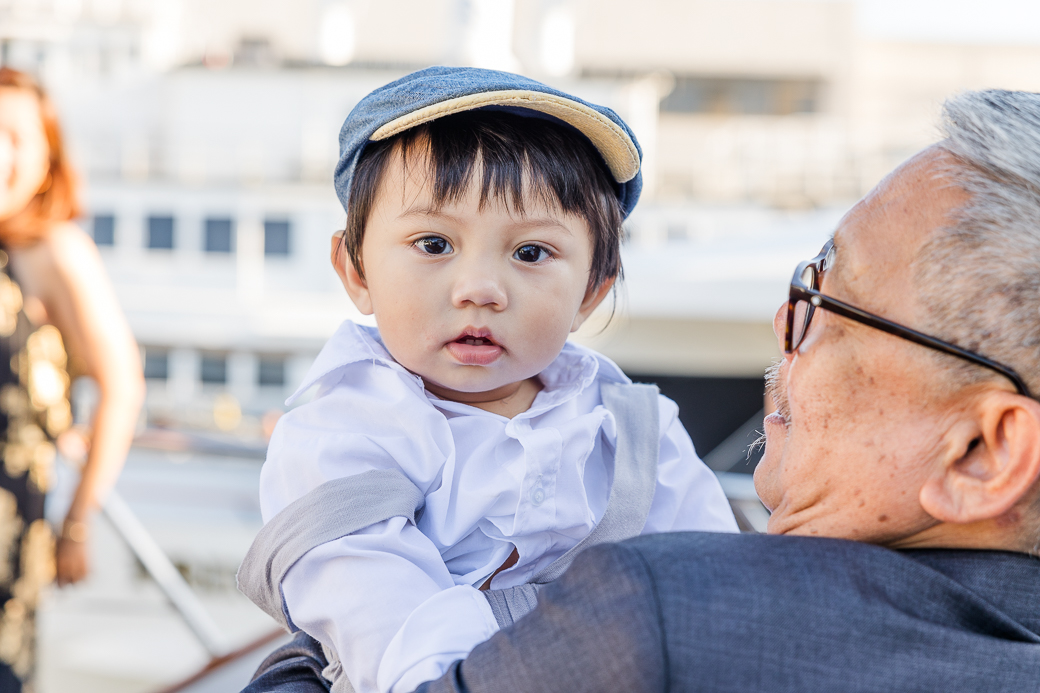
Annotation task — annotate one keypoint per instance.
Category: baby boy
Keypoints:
(455, 459)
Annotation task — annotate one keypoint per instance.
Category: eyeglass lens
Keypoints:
(803, 310)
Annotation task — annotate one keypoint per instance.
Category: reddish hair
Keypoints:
(58, 201)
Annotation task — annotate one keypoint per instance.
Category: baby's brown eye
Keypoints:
(531, 253)
(433, 245)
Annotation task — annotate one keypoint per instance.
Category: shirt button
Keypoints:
(537, 497)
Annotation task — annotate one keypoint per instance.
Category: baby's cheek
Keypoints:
(546, 337)
(405, 332)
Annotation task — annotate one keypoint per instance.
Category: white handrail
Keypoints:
(165, 574)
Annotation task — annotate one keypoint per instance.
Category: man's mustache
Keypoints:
(775, 390)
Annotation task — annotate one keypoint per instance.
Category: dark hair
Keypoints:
(59, 199)
(557, 163)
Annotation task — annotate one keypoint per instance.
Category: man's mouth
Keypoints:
(475, 347)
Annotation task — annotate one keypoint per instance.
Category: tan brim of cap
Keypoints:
(617, 148)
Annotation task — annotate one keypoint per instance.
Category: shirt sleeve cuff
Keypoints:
(441, 630)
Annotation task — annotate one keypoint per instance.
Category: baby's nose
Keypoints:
(479, 288)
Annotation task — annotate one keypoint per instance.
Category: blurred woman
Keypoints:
(53, 295)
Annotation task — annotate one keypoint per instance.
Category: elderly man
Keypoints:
(907, 422)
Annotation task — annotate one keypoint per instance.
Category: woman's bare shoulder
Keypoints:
(66, 239)
(64, 258)
(66, 244)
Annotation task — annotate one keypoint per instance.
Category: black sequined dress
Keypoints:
(34, 409)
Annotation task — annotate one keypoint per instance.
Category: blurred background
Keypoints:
(206, 131)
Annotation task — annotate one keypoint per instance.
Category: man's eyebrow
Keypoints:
(834, 269)
(832, 254)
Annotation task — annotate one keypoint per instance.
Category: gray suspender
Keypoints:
(344, 506)
(333, 510)
(635, 471)
(635, 477)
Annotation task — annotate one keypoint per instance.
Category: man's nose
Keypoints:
(780, 326)
(476, 285)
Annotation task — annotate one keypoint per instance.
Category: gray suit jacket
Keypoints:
(713, 612)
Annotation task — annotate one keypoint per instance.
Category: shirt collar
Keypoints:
(350, 343)
(570, 373)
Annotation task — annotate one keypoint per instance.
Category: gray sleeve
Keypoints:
(596, 629)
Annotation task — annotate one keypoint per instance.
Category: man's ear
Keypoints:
(993, 467)
(593, 297)
(352, 280)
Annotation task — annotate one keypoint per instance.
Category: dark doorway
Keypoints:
(713, 409)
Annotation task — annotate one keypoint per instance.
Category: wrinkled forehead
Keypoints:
(877, 242)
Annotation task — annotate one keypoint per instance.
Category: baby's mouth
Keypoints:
(475, 341)
(478, 349)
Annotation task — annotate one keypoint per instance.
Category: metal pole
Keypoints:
(734, 449)
(165, 574)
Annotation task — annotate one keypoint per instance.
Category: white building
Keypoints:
(208, 132)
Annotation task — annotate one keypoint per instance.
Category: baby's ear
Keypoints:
(593, 297)
(352, 280)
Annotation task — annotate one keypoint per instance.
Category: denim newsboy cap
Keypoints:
(439, 91)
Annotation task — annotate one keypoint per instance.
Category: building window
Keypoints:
(219, 237)
(677, 232)
(276, 237)
(156, 363)
(160, 232)
(213, 369)
(739, 96)
(271, 371)
(104, 229)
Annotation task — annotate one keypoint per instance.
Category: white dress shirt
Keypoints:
(399, 602)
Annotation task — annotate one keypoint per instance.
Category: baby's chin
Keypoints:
(473, 390)
(476, 381)
(456, 378)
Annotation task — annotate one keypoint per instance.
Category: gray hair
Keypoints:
(979, 277)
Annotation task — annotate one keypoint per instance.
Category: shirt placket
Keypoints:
(536, 511)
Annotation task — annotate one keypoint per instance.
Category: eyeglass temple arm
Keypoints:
(854, 313)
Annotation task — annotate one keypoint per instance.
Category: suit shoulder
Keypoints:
(718, 561)
(597, 628)
(737, 547)
(606, 574)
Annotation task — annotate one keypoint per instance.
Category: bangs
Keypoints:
(515, 160)
(515, 157)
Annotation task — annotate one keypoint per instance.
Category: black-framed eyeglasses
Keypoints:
(805, 297)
